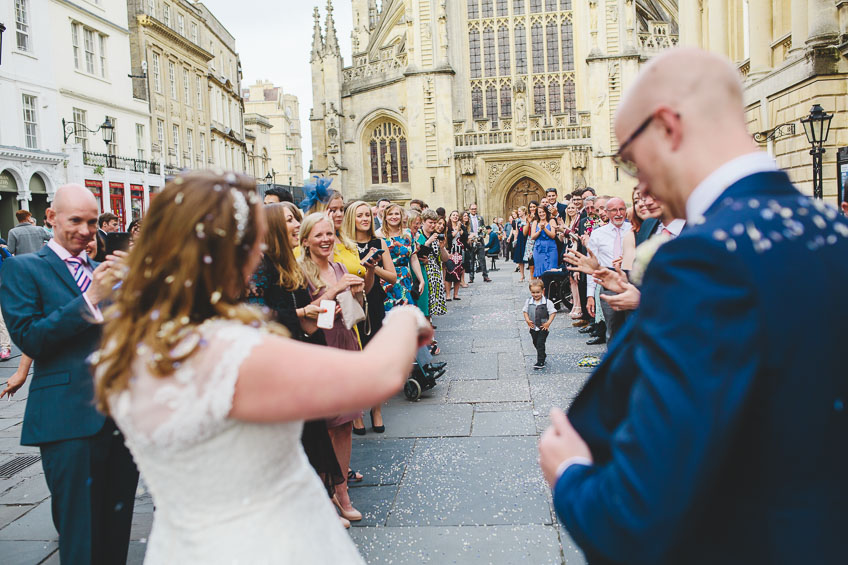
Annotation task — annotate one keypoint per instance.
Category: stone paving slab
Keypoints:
(374, 502)
(381, 461)
(414, 419)
(502, 390)
(465, 366)
(502, 545)
(506, 423)
(464, 481)
(36, 524)
(27, 552)
(502, 406)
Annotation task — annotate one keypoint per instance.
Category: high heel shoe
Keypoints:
(345, 522)
(576, 314)
(377, 429)
(351, 515)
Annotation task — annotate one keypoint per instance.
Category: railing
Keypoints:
(118, 162)
(657, 38)
(364, 69)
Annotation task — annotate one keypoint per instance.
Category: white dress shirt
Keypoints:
(674, 226)
(65, 254)
(602, 244)
(712, 187)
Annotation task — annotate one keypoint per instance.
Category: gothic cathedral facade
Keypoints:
(486, 101)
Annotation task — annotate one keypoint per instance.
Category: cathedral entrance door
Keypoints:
(522, 192)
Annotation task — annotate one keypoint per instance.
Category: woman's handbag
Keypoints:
(352, 312)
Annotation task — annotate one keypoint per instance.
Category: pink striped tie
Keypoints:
(80, 275)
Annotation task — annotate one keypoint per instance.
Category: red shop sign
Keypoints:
(137, 187)
(116, 185)
(93, 183)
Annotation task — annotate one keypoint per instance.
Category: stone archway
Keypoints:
(522, 192)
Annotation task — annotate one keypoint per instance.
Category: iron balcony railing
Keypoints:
(118, 162)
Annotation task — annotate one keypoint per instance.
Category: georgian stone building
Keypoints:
(284, 144)
(486, 101)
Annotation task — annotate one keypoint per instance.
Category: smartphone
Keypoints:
(326, 318)
(117, 241)
(441, 236)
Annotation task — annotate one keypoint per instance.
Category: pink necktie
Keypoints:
(80, 276)
(666, 232)
(616, 246)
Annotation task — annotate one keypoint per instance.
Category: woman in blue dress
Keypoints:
(545, 248)
(520, 240)
(399, 241)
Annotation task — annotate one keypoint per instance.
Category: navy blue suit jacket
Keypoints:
(49, 320)
(718, 421)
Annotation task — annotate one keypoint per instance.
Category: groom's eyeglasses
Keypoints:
(627, 165)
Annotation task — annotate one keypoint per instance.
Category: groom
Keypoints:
(715, 430)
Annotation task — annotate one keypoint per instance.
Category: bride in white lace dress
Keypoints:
(211, 402)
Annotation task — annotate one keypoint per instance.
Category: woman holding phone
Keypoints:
(358, 226)
(399, 243)
(326, 279)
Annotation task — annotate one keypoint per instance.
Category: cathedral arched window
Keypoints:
(551, 5)
(503, 51)
(486, 8)
(506, 101)
(474, 52)
(536, 43)
(567, 32)
(566, 5)
(570, 99)
(503, 7)
(389, 163)
(518, 7)
(477, 103)
(553, 47)
(539, 98)
(492, 104)
(535, 6)
(473, 10)
(489, 52)
(520, 50)
(553, 97)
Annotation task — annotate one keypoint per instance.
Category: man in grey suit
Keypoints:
(26, 237)
(50, 300)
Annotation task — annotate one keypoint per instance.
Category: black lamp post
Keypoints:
(2, 29)
(108, 135)
(816, 128)
(268, 179)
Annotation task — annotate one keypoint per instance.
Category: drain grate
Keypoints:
(16, 465)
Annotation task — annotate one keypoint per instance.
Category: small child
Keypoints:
(539, 313)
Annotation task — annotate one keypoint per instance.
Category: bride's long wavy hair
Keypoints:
(187, 266)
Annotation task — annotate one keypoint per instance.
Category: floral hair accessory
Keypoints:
(242, 213)
(316, 192)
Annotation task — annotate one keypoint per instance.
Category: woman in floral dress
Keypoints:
(399, 242)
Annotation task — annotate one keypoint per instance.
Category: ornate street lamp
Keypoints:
(268, 179)
(71, 128)
(816, 128)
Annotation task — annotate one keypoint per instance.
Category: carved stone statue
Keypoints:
(387, 158)
(469, 192)
(466, 165)
(520, 112)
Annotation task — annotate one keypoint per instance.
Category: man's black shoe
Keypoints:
(597, 340)
(487, 279)
(588, 329)
(599, 329)
(435, 367)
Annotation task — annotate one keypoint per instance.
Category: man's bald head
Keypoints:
(73, 214)
(689, 104)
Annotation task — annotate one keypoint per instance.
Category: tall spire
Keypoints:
(332, 44)
(317, 39)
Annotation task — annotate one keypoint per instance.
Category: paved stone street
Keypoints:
(453, 480)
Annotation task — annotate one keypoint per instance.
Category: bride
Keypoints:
(211, 398)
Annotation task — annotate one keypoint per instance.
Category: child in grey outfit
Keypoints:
(539, 313)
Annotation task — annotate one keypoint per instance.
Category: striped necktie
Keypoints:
(80, 275)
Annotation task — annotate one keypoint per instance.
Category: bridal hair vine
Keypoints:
(242, 213)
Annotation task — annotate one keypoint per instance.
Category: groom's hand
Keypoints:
(560, 442)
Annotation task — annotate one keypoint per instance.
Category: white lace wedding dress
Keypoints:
(225, 491)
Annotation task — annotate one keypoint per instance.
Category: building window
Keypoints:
(566, 5)
(190, 146)
(553, 47)
(486, 8)
(476, 103)
(520, 50)
(202, 142)
(538, 48)
(506, 101)
(518, 7)
(166, 15)
(75, 41)
(157, 74)
(535, 6)
(474, 52)
(139, 141)
(489, 52)
(567, 32)
(539, 98)
(504, 61)
(30, 104)
(175, 134)
(193, 32)
(112, 148)
(160, 135)
(553, 96)
(473, 10)
(172, 79)
(186, 88)
(492, 104)
(551, 5)
(199, 93)
(181, 24)
(570, 100)
(88, 36)
(80, 128)
(151, 8)
(503, 7)
(22, 24)
(388, 154)
(102, 44)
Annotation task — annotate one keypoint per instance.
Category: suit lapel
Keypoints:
(61, 269)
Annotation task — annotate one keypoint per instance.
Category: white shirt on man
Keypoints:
(602, 244)
(712, 187)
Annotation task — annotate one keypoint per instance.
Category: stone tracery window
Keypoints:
(551, 5)
(474, 52)
(387, 146)
(567, 32)
(477, 103)
(492, 104)
(535, 6)
(503, 7)
(553, 47)
(538, 48)
(518, 7)
(570, 99)
(505, 66)
(486, 10)
(473, 10)
(520, 50)
(489, 51)
(553, 97)
(539, 98)
(506, 101)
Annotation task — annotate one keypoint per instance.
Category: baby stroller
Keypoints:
(424, 374)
